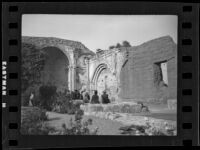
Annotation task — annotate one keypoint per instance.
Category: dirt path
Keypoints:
(106, 126)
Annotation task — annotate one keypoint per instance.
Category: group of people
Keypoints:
(104, 98)
(76, 95)
(85, 96)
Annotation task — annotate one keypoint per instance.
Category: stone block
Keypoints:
(92, 107)
(78, 102)
(122, 107)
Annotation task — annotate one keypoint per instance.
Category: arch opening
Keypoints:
(56, 69)
(103, 79)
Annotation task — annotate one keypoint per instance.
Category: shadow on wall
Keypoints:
(55, 69)
(151, 72)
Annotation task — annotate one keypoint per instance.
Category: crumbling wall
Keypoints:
(139, 77)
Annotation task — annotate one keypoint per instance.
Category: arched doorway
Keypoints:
(56, 69)
(104, 79)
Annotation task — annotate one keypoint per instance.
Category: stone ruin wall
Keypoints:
(113, 60)
(60, 59)
(138, 76)
(134, 74)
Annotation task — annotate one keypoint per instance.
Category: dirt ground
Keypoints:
(160, 111)
(106, 126)
(110, 127)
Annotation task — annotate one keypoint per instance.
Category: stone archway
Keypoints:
(96, 74)
(72, 50)
(104, 79)
(56, 69)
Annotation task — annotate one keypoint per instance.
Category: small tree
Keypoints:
(99, 50)
(78, 126)
(126, 44)
(111, 47)
(118, 45)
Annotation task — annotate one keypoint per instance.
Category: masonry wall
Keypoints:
(139, 76)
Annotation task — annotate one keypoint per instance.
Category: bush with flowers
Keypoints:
(78, 127)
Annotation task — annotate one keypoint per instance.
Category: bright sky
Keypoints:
(101, 31)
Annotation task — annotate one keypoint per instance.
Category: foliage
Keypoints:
(32, 114)
(99, 50)
(133, 130)
(25, 98)
(148, 129)
(26, 95)
(32, 64)
(118, 45)
(78, 127)
(32, 121)
(47, 96)
(33, 60)
(111, 47)
(144, 108)
(64, 104)
(126, 44)
(39, 128)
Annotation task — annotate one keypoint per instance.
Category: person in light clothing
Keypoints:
(30, 99)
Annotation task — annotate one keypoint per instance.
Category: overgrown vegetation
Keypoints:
(78, 126)
(148, 129)
(47, 96)
(64, 104)
(33, 121)
(118, 45)
(32, 63)
(33, 60)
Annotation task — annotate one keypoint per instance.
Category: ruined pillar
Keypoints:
(70, 78)
(75, 75)
(73, 78)
(87, 60)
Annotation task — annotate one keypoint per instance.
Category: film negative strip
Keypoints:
(13, 74)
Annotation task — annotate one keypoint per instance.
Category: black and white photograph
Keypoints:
(99, 75)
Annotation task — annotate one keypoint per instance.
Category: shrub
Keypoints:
(64, 104)
(25, 98)
(148, 129)
(144, 108)
(26, 95)
(134, 130)
(126, 44)
(47, 96)
(33, 114)
(39, 128)
(118, 45)
(78, 127)
(68, 107)
(32, 121)
(111, 47)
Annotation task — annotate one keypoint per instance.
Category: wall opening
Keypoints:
(56, 71)
(160, 74)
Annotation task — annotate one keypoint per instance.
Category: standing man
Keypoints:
(30, 99)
